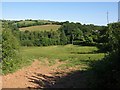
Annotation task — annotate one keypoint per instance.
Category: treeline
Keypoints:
(42, 38)
(79, 34)
(30, 22)
(68, 33)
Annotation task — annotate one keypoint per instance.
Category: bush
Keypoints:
(10, 49)
(10, 45)
(107, 70)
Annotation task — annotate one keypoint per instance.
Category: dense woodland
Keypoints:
(106, 38)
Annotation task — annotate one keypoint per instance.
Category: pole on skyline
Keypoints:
(107, 17)
(119, 11)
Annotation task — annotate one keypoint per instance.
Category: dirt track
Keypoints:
(25, 77)
(39, 75)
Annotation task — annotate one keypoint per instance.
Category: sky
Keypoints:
(83, 12)
(60, 0)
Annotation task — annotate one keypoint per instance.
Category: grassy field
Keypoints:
(41, 28)
(73, 55)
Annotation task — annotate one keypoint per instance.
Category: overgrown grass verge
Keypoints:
(14, 64)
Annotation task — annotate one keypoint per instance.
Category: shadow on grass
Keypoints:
(91, 52)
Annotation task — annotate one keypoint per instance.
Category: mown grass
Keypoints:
(71, 54)
(41, 28)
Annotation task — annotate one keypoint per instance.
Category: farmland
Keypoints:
(41, 28)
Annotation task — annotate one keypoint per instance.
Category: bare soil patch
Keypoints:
(39, 75)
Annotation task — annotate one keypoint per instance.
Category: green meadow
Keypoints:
(73, 55)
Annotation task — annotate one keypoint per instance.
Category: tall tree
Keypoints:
(63, 38)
